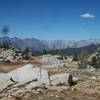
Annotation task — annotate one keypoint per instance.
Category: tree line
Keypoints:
(5, 45)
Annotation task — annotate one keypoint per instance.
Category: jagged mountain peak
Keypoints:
(39, 45)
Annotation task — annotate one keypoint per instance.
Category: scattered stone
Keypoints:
(13, 89)
(40, 90)
(35, 92)
(34, 85)
(93, 78)
(58, 88)
(19, 92)
(7, 98)
(56, 96)
(75, 79)
(3, 95)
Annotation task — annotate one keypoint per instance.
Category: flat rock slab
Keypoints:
(4, 81)
(25, 74)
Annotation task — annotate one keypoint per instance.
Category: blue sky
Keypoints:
(51, 19)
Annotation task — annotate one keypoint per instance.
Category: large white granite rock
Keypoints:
(44, 79)
(25, 74)
(49, 59)
(4, 81)
(30, 74)
(60, 79)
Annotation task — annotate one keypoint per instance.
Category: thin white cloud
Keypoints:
(87, 15)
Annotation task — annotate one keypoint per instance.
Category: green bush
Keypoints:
(95, 62)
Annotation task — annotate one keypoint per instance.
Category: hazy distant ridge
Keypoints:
(36, 44)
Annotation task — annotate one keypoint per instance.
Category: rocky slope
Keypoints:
(30, 82)
(11, 55)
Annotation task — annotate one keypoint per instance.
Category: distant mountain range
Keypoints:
(18, 43)
(63, 44)
(38, 45)
(89, 49)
